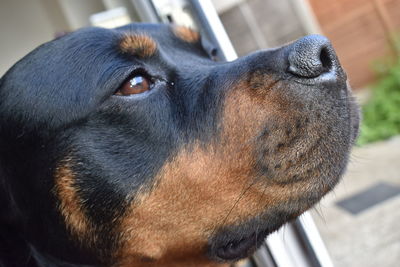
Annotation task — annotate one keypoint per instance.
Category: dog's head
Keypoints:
(133, 146)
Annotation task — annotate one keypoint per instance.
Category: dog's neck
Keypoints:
(15, 251)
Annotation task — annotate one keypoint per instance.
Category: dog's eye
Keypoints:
(135, 85)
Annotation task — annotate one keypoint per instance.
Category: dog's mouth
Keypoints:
(237, 249)
(307, 179)
(299, 157)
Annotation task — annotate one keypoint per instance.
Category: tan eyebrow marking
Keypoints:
(139, 45)
(186, 34)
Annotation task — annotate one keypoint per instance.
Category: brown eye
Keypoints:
(136, 85)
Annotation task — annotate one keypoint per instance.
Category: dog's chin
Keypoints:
(236, 249)
(237, 242)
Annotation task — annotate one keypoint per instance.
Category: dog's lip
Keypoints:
(240, 248)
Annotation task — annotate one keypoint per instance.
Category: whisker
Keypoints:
(259, 201)
(235, 204)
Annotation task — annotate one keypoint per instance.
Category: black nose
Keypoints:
(312, 56)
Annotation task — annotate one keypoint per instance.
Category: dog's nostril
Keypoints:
(325, 59)
(311, 57)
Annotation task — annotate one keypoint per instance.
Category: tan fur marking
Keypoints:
(139, 45)
(204, 188)
(186, 34)
(70, 205)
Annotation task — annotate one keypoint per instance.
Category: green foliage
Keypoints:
(381, 115)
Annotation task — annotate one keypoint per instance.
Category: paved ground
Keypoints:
(370, 238)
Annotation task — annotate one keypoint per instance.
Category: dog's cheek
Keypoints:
(191, 198)
(71, 206)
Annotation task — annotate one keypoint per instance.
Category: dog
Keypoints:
(136, 146)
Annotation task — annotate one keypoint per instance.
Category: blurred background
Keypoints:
(360, 221)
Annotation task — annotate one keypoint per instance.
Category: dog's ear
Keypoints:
(59, 82)
(4, 190)
(14, 250)
(36, 93)
(4, 197)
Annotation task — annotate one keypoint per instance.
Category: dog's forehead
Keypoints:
(89, 64)
(166, 39)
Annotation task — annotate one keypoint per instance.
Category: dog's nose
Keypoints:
(311, 56)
